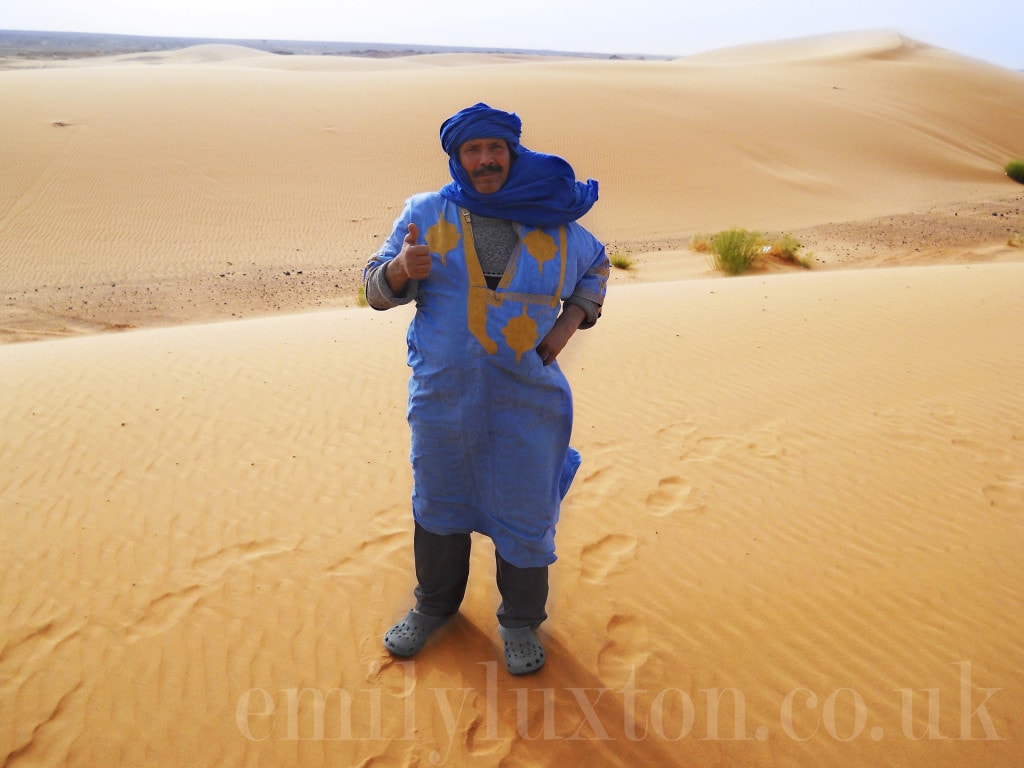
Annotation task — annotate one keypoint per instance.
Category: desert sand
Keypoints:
(794, 541)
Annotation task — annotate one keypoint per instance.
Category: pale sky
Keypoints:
(983, 29)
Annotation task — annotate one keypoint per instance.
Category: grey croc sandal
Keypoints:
(409, 635)
(524, 654)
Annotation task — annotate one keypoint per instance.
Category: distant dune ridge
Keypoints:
(67, 45)
(795, 536)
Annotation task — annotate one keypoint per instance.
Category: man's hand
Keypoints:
(565, 326)
(413, 263)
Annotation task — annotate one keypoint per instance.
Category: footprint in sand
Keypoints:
(675, 435)
(707, 448)
(895, 426)
(1006, 494)
(624, 650)
(673, 494)
(944, 414)
(765, 443)
(607, 556)
(601, 472)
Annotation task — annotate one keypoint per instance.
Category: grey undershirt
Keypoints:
(496, 241)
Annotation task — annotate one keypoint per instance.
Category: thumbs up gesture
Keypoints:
(414, 259)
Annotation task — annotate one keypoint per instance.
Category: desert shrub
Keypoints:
(1015, 170)
(620, 261)
(734, 251)
(785, 248)
(700, 243)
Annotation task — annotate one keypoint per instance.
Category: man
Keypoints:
(502, 276)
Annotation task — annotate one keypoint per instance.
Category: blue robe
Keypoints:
(490, 423)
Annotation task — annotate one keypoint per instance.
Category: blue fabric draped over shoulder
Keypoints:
(541, 189)
(490, 423)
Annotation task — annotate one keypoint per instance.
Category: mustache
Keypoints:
(483, 170)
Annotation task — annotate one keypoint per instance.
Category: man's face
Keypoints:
(486, 161)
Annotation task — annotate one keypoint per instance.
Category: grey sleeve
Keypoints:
(379, 294)
(591, 308)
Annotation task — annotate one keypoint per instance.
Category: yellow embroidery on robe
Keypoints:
(541, 246)
(479, 295)
(561, 276)
(520, 334)
(442, 238)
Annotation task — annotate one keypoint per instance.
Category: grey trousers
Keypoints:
(442, 570)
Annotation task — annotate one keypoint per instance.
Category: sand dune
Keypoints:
(193, 180)
(853, 46)
(780, 494)
(795, 536)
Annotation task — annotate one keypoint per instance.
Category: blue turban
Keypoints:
(480, 122)
(540, 191)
